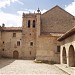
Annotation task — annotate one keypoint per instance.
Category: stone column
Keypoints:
(61, 58)
(67, 55)
(38, 24)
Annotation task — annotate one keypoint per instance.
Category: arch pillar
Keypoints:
(66, 54)
(71, 55)
(67, 49)
(61, 55)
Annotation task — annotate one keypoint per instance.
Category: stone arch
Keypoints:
(71, 55)
(64, 59)
(15, 54)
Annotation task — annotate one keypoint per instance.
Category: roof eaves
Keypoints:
(67, 34)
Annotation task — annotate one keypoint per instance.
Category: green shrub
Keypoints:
(45, 61)
(52, 62)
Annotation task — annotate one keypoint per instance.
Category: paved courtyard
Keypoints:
(27, 67)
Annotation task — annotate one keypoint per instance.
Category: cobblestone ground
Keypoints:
(27, 67)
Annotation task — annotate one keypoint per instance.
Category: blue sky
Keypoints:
(11, 10)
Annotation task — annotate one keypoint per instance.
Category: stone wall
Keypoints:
(67, 43)
(47, 49)
(9, 44)
(56, 20)
(37, 42)
(0, 43)
(28, 36)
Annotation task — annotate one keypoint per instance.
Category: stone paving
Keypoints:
(27, 67)
(64, 67)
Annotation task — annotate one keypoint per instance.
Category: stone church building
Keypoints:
(37, 38)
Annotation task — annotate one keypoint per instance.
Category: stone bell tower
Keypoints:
(29, 36)
(30, 33)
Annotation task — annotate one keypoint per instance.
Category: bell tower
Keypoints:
(29, 35)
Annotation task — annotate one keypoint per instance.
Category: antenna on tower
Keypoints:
(3, 25)
(38, 10)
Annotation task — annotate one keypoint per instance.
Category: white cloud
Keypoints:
(71, 8)
(43, 11)
(7, 18)
(31, 11)
(20, 2)
(4, 3)
(10, 19)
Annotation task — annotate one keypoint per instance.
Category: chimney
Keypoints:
(3, 25)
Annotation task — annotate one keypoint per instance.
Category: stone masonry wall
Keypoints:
(10, 44)
(28, 36)
(47, 49)
(56, 20)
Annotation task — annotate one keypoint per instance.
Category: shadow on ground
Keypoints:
(4, 62)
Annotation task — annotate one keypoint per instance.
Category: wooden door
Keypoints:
(15, 54)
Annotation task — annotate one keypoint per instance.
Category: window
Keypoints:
(3, 42)
(58, 48)
(18, 43)
(28, 23)
(2, 49)
(14, 34)
(33, 23)
(31, 43)
(30, 33)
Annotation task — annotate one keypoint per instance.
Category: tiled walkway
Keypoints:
(27, 67)
(64, 67)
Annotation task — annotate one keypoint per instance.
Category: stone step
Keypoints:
(65, 68)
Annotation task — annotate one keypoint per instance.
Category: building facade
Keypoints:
(37, 38)
(11, 41)
(67, 53)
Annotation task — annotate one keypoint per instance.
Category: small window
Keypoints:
(3, 42)
(14, 34)
(2, 49)
(31, 43)
(28, 23)
(33, 23)
(18, 43)
(58, 48)
(30, 33)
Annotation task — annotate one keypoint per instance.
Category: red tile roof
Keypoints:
(11, 28)
(67, 34)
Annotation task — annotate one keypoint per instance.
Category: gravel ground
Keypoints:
(27, 67)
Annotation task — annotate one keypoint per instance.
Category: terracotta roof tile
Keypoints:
(67, 34)
(11, 28)
(52, 33)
